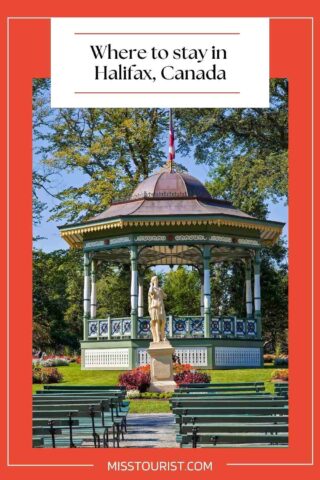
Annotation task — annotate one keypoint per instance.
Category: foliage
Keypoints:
(55, 362)
(179, 285)
(268, 358)
(136, 379)
(280, 375)
(57, 299)
(133, 394)
(246, 149)
(45, 375)
(191, 377)
(282, 361)
(181, 367)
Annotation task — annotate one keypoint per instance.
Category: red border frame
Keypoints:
(291, 57)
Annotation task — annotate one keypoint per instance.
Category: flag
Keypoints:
(171, 140)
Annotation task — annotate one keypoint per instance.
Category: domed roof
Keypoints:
(171, 184)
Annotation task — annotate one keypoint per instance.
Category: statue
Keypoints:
(157, 311)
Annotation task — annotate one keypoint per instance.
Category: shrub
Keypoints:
(191, 377)
(281, 361)
(55, 362)
(280, 374)
(181, 367)
(46, 374)
(136, 379)
(268, 358)
(133, 394)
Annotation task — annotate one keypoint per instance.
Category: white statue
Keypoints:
(156, 310)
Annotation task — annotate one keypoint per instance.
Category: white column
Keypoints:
(140, 296)
(134, 290)
(257, 293)
(93, 299)
(248, 289)
(86, 294)
(201, 296)
(257, 290)
(206, 290)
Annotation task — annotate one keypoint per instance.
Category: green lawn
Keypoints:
(73, 375)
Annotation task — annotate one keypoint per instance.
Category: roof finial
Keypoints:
(171, 142)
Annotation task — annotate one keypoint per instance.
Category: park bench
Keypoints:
(187, 402)
(84, 387)
(227, 439)
(281, 389)
(119, 406)
(223, 389)
(230, 414)
(229, 385)
(95, 413)
(37, 442)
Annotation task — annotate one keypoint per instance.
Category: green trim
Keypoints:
(141, 218)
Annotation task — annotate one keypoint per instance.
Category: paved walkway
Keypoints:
(150, 430)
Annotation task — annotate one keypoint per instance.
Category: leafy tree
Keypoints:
(245, 148)
(183, 292)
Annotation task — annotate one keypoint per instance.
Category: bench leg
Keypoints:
(106, 438)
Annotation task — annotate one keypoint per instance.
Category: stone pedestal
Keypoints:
(161, 367)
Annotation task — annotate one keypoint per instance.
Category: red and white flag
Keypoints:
(171, 139)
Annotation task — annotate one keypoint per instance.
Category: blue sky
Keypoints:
(49, 230)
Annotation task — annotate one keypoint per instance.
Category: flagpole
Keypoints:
(171, 141)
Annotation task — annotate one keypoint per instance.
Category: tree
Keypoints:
(57, 290)
(114, 149)
(245, 148)
(183, 292)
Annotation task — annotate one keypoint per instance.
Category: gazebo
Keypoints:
(171, 219)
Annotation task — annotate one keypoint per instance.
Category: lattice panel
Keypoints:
(107, 358)
(195, 356)
(237, 357)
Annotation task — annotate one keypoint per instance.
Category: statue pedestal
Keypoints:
(161, 367)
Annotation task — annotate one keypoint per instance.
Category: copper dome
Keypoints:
(171, 184)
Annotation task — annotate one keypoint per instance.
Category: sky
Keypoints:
(49, 229)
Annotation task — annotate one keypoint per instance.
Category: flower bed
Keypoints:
(46, 374)
(280, 375)
(136, 379)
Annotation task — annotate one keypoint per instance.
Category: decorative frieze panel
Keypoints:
(195, 356)
(248, 241)
(240, 327)
(119, 240)
(220, 238)
(103, 328)
(179, 326)
(251, 327)
(106, 358)
(144, 327)
(215, 327)
(189, 238)
(126, 328)
(93, 243)
(228, 325)
(237, 357)
(92, 329)
(115, 328)
(151, 238)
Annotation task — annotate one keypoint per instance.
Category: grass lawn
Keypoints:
(73, 375)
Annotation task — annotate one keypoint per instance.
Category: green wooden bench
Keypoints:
(251, 385)
(96, 415)
(37, 442)
(187, 402)
(229, 439)
(84, 387)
